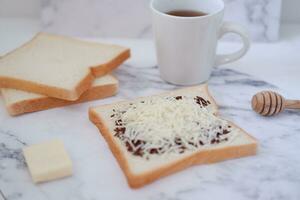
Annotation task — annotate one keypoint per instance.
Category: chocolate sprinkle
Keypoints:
(202, 102)
(118, 122)
(178, 97)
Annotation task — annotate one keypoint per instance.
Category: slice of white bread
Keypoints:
(140, 171)
(58, 66)
(19, 102)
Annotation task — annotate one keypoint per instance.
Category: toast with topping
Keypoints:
(155, 136)
(59, 66)
(18, 102)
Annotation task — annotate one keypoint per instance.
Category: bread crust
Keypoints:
(61, 93)
(205, 86)
(200, 157)
(103, 69)
(44, 103)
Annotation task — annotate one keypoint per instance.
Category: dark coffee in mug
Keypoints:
(186, 13)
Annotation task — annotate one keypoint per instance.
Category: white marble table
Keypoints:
(273, 174)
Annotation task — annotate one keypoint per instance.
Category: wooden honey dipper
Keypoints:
(269, 103)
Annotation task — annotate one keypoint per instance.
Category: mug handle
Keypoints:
(229, 27)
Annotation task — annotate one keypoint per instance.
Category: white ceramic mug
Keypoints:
(186, 46)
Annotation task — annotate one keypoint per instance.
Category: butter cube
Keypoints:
(48, 161)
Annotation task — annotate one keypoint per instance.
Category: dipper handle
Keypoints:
(292, 104)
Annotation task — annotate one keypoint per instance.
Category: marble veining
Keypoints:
(261, 17)
(119, 18)
(273, 174)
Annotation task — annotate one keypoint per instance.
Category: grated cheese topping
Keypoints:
(162, 125)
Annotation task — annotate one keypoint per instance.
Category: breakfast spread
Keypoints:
(150, 137)
(144, 140)
(155, 136)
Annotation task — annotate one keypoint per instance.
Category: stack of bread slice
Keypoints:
(51, 71)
